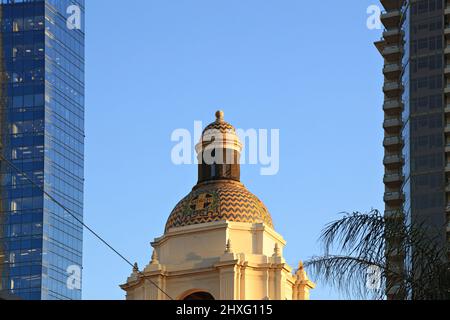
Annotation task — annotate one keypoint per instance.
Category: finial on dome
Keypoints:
(220, 115)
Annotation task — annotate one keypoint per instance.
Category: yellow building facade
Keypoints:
(219, 241)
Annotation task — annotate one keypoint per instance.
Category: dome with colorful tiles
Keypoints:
(219, 201)
(220, 124)
(219, 195)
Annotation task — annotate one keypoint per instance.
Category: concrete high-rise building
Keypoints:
(416, 51)
(42, 134)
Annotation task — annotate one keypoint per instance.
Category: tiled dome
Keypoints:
(220, 124)
(219, 201)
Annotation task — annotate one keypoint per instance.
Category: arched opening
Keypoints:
(199, 296)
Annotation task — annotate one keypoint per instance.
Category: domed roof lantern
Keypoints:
(219, 135)
(219, 151)
(219, 195)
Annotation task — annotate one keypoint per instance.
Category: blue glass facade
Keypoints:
(42, 133)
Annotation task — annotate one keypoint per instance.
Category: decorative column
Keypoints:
(229, 274)
(154, 273)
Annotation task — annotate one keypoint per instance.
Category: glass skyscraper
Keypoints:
(42, 134)
(416, 51)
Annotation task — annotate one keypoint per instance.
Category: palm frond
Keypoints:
(359, 241)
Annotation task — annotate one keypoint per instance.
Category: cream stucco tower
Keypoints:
(219, 241)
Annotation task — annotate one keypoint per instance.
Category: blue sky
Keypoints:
(308, 68)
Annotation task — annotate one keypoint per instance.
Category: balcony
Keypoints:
(392, 35)
(392, 106)
(447, 51)
(447, 70)
(392, 124)
(447, 148)
(391, 4)
(392, 70)
(447, 168)
(447, 109)
(393, 197)
(393, 214)
(393, 161)
(391, 18)
(393, 179)
(392, 88)
(447, 128)
(380, 45)
(447, 90)
(392, 52)
(392, 142)
(447, 30)
(447, 10)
